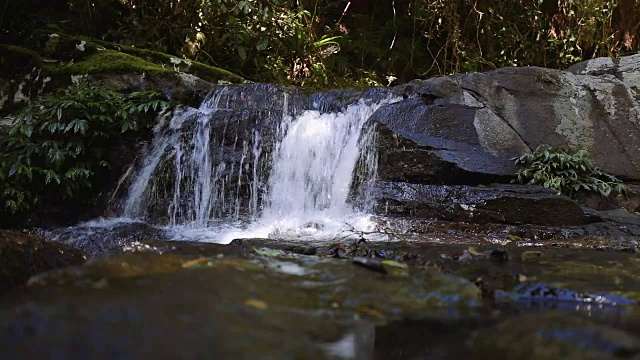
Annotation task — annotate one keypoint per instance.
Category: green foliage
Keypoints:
(329, 42)
(246, 37)
(59, 146)
(322, 42)
(566, 172)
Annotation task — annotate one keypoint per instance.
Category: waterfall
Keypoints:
(314, 162)
(241, 167)
(190, 172)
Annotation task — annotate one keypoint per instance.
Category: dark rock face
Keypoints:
(23, 255)
(442, 134)
(477, 122)
(242, 124)
(498, 203)
(466, 129)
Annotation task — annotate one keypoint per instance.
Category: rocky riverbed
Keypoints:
(451, 291)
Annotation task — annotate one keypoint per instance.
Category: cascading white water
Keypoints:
(312, 164)
(202, 188)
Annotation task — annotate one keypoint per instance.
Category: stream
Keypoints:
(249, 228)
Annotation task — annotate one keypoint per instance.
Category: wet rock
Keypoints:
(498, 203)
(382, 266)
(631, 200)
(22, 256)
(533, 292)
(98, 272)
(553, 336)
(424, 142)
(265, 305)
(102, 238)
(618, 223)
(422, 339)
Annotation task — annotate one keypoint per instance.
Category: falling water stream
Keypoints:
(216, 185)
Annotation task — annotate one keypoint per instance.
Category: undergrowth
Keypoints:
(567, 172)
(59, 146)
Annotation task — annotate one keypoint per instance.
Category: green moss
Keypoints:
(203, 71)
(101, 57)
(108, 61)
(547, 78)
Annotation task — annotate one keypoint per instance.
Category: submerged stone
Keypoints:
(23, 255)
(265, 305)
(553, 336)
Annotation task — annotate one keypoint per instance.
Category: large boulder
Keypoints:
(552, 335)
(438, 142)
(464, 129)
(598, 113)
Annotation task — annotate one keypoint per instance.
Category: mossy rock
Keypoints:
(203, 71)
(51, 60)
(23, 255)
(108, 62)
(99, 57)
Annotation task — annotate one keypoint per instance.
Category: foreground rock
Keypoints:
(254, 299)
(102, 238)
(263, 304)
(22, 256)
(554, 336)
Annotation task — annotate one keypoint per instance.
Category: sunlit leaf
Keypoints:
(255, 303)
(393, 263)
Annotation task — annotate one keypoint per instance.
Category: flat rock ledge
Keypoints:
(496, 203)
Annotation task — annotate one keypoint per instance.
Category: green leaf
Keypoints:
(51, 175)
(395, 264)
(78, 126)
(565, 172)
(268, 252)
(242, 52)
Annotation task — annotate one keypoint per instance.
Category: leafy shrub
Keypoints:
(58, 144)
(566, 172)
